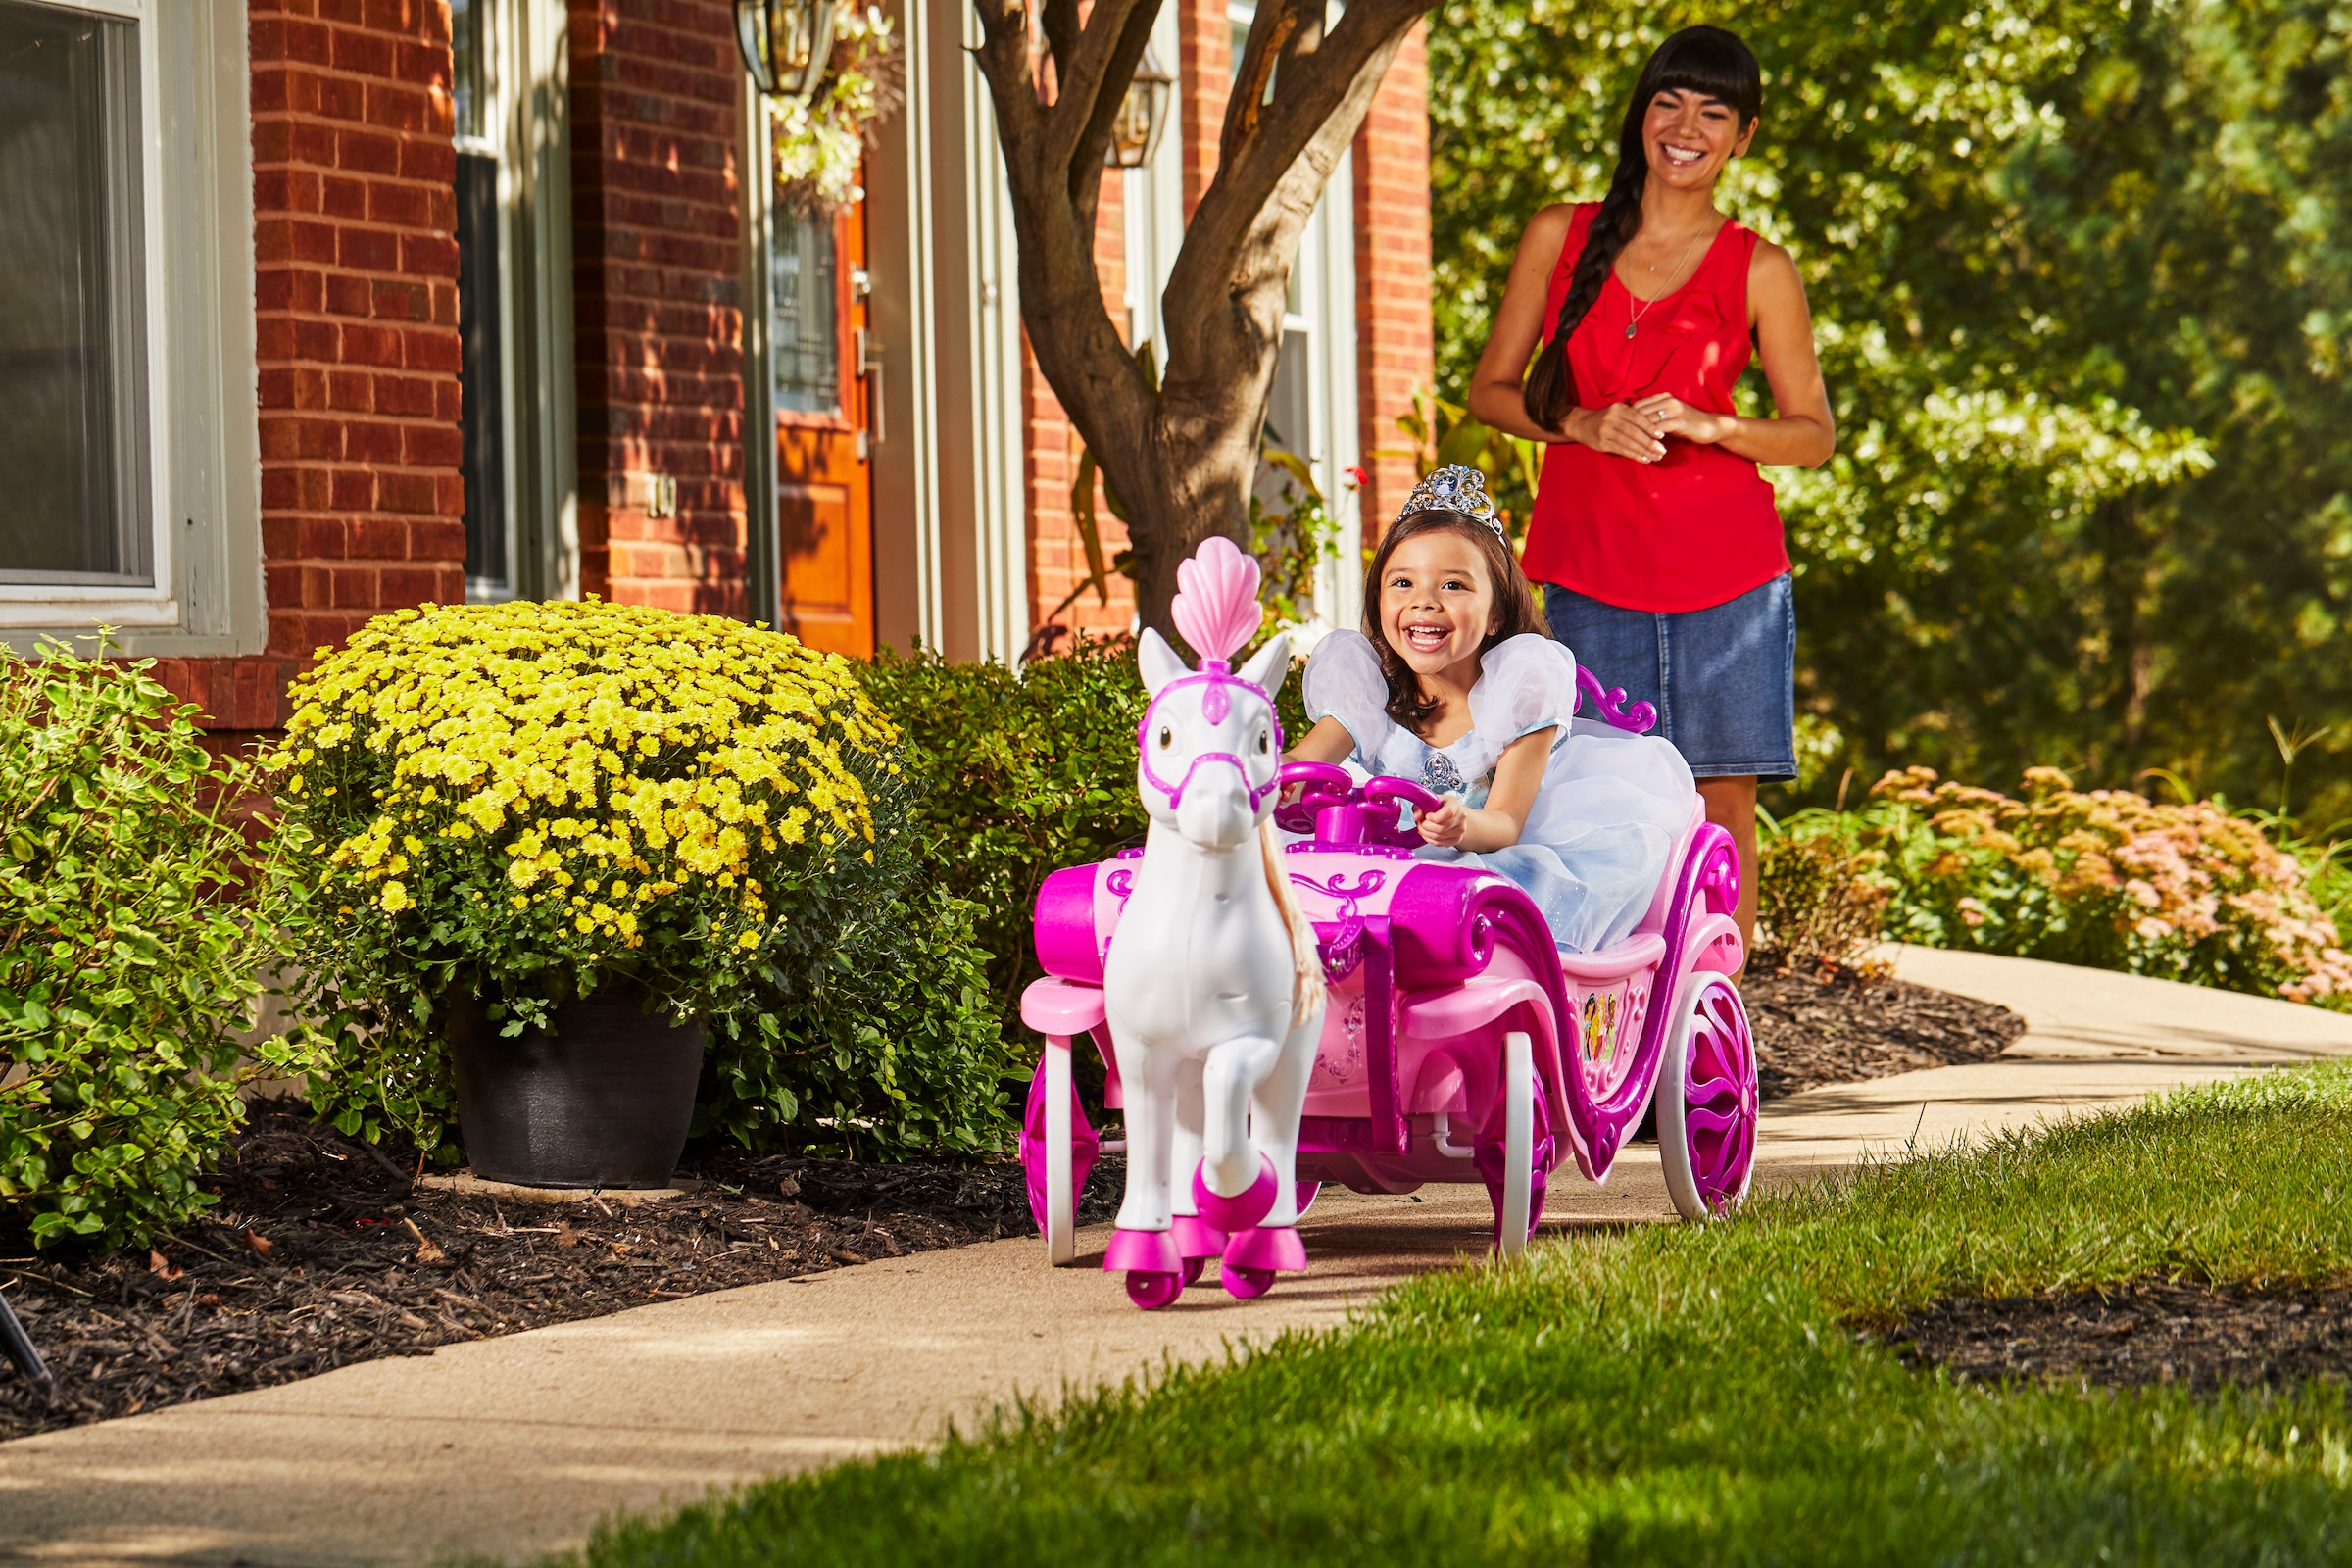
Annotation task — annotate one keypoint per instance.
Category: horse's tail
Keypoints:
(1306, 989)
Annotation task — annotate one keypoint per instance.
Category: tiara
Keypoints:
(1456, 487)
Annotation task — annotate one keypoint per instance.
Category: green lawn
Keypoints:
(1685, 1395)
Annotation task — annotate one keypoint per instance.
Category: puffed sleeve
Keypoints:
(1525, 683)
(1343, 682)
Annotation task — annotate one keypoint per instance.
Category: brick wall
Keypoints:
(1203, 83)
(657, 281)
(1052, 448)
(1396, 342)
(355, 295)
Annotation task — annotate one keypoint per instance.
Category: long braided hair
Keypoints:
(1708, 61)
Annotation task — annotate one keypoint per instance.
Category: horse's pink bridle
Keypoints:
(1216, 674)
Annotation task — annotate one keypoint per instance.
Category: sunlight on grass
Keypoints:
(1689, 1395)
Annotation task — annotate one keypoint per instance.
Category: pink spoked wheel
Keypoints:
(1056, 1158)
(1706, 1100)
(1514, 1157)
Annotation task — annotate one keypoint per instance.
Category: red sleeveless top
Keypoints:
(1697, 528)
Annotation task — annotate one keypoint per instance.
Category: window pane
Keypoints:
(468, 65)
(803, 337)
(1290, 412)
(481, 424)
(73, 333)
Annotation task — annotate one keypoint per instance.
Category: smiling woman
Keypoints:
(1655, 538)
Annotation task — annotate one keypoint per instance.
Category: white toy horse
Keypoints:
(1212, 988)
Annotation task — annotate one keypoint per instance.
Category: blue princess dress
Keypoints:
(1605, 821)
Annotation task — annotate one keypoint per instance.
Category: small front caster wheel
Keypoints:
(1194, 1268)
(1151, 1289)
(1247, 1284)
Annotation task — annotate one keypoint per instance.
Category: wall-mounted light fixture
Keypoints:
(786, 44)
(1143, 115)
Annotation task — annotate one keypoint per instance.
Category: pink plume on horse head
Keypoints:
(1217, 607)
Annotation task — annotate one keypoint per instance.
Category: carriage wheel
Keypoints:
(1059, 1145)
(1515, 1169)
(1706, 1100)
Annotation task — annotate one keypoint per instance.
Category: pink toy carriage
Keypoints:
(1459, 1045)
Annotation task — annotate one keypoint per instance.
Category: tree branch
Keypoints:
(1228, 280)
(1118, 76)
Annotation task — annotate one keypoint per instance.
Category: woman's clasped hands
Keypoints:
(1638, 428)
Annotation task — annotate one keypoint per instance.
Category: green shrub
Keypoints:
(537, 802)
(2107, 878)
(135, 926)
(1817, 903)
(1025, 771)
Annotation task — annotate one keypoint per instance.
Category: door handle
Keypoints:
(869, 368)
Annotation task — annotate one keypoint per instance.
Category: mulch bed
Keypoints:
(1842, 1026)
(321, 1254)
(2141, 1333)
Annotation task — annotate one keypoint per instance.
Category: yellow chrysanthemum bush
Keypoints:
(537, 801)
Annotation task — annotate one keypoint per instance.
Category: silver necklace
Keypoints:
(1644, 305)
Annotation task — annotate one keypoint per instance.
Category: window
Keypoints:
(481, 305)
(131, 463)
(804, 284)
(73, 394)
(515, 417)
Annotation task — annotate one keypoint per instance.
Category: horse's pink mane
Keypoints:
(1216, 606)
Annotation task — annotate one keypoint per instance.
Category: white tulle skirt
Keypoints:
(1592, 887)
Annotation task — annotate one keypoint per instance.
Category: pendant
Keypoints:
(1628, 329)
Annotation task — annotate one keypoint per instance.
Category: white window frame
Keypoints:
(1324, 271)
(203, 441)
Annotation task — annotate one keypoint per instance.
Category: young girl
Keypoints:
(1454, 683)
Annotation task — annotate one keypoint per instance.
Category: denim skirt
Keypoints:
(1723, 678)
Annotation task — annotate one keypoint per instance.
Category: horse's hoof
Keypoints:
(1267, 1250)
(1243, 1284)
(1241, 1210)
(1196, 1238)
(1142, 1252)
(1151, 1289)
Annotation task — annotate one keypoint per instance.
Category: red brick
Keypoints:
(371, 250)
(379, 538)
(406, 492)
(353, 490)
(348, 294)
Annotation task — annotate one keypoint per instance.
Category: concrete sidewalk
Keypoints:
(510, 1447)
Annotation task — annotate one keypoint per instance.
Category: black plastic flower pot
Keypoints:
(603, 1100)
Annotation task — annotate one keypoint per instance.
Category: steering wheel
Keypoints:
(1326, 784)
(1383, 796)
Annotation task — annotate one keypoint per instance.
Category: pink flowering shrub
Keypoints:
(2106, 878)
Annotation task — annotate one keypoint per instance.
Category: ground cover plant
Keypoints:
(537, 801)
(136, 927)
(1673, 1395)
(2106, 878)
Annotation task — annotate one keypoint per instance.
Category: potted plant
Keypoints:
(546, 847)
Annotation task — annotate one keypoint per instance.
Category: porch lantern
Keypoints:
(786, 44)
(1143, 114)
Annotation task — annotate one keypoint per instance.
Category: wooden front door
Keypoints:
(822, 391)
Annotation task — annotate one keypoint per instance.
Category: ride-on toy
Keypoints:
(1458, 1044)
